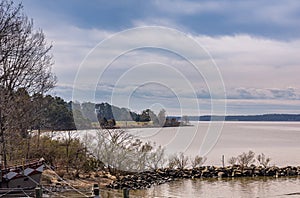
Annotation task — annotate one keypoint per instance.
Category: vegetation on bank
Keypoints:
(25, 76)
(27, 111)
(149, 178)
(241, 166)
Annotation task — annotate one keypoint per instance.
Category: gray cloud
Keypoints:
(258, 71)
(264, 94)
(289, 93)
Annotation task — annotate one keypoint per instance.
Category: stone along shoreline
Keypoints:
(149, 178)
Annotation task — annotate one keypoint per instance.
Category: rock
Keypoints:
(54, 181)
(221, 174)
(206, 174)
(198, 175)
(186, 176)
(107, 176)
(272, 171)
(149, 178)
(247, 173)
(195, 171)
(290, 172)
(237, 173)
(211, 168)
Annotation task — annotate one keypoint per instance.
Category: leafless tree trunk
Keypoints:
(120, 151)
(25, 64)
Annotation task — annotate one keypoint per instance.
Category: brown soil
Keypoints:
(85, 181)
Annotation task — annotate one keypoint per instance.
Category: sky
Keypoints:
(250, 48)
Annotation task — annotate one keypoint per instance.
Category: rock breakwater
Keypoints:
(149, 178)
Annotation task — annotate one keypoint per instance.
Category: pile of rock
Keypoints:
(141, 180)
(148, 178)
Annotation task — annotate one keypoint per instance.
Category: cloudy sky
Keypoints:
(255, 46)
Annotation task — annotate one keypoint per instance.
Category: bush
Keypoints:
(263, 160)
(232, 161)
(178, 160)
(197, 161)
(246, 159)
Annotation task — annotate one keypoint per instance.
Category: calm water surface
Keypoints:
(278, 140)
(242, 187)
(284, 187)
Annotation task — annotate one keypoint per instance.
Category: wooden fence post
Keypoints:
(126, 193)
(96, 191)
(223, 161)
(38, 192)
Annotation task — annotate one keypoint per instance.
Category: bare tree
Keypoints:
(25, 61)
(156, 158)
(197, 161)
(178, 160)
(246, 158)
(172, 163)
(67, 138)
(263, 160)
(232, 161)
(25, 64)
(182, 161)
(120, 151)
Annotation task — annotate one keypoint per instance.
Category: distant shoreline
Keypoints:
(248, 118)
(139, 125)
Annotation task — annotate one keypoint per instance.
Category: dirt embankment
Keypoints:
(62, 179)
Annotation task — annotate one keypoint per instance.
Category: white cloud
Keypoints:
(160, 21)
(255, 70)
(265, 68)
(70, 48)
(247, 61)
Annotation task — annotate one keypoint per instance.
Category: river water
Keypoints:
(240, 188)
(278, 140)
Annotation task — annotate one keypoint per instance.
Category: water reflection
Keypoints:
(257, 187)
(227, 187)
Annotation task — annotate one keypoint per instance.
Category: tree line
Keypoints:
(26, 108)
(106, 111)
(25, 79)
(25, 74)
